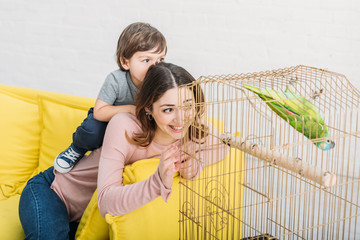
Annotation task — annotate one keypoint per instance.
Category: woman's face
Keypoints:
(173, 118)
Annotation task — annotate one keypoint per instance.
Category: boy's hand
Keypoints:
(132, 109)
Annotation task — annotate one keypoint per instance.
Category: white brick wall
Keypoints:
(69, 46)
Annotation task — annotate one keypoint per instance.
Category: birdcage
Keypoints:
(277, 181)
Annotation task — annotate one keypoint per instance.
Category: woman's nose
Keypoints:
(179, 116)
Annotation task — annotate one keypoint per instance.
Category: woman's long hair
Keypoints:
(160, 78)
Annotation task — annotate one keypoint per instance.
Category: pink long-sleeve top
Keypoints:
(103, 169)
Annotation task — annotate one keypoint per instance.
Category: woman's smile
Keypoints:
(176, 129)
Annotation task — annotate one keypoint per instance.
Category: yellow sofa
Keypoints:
(35, 126)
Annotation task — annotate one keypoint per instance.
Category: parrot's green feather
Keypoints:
(296, 110)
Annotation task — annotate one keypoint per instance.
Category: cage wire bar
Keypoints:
(249, 196)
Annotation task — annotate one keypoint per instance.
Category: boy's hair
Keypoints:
(136, 37)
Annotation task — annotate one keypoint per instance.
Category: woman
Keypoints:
(156, 131)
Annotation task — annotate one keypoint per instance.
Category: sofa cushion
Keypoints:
(133, 173)
(155, 220)
(19, 142)
(59, 119)
(92, 217)
(34, 94)
(10, 226)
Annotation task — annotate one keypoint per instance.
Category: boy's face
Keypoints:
(140, 62)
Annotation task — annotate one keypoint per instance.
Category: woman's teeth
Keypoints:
(177, 128)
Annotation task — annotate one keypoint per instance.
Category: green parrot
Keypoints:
(298, 112)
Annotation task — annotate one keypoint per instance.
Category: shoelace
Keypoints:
(71, 155)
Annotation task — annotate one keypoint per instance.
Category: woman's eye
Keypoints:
(161, 59)
(146, 60)
(167, 110)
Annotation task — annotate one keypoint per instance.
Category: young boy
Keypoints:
(139, 46)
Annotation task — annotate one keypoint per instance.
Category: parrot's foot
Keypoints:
(317, 94)
(293, 80)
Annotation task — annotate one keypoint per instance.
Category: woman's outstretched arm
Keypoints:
(113, 196)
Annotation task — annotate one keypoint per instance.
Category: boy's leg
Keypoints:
(42, 213)
(88, 136)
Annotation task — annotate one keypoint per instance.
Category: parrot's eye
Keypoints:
(328, 141)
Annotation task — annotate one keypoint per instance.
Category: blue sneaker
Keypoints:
(66, 160)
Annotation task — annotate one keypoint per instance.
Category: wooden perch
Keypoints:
(294, 164)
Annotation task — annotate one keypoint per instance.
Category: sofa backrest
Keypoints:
(35, 125)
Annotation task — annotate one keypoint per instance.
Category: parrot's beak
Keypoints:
(332, 145)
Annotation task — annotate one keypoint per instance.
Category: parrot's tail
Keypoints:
(251, 88)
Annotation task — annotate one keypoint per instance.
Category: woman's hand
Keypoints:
(189, 167)
(168, 165)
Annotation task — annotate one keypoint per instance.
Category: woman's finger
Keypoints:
(168, 161)
(183, 156)
(169, 152)
(187, 163)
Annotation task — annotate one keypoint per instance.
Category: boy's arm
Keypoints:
(104, 111)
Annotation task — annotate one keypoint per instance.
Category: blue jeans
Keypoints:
(89, 135)
(42, 213)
